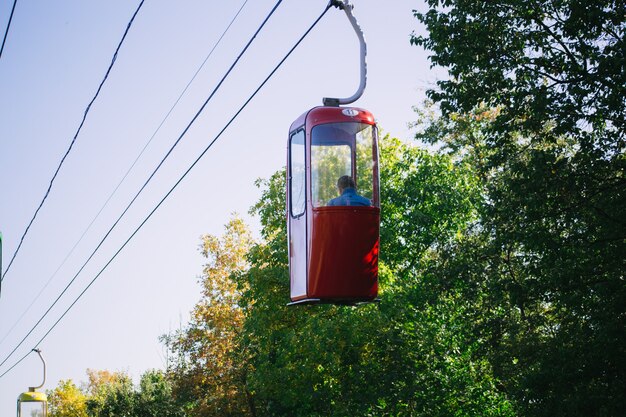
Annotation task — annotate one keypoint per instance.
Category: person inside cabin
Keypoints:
(347, 194)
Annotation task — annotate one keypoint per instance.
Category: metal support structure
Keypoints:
(347, 8)
(32, 389)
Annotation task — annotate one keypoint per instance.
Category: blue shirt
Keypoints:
(349, 197)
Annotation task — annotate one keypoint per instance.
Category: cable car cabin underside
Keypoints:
(333, 207)
(350, 303)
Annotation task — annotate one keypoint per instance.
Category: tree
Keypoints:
(108, 394)
(412, 355)
(543, 83)
(111, 394)
(67, 400)
(210, 370)
(545, 64)
(155, 397)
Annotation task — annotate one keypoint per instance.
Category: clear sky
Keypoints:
(55, 57)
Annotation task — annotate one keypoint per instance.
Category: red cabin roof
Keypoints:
(323, 114)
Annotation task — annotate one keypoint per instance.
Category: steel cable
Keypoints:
(166, 195)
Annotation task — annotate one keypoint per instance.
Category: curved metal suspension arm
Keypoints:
(44, 371)
(347, 8)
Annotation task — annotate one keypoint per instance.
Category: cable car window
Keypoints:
(32, 409)
(297, 171)
(366, 154)
(334, 149)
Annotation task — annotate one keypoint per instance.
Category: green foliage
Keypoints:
(67, 400)
(155, 397)
(108, 394)
(542, 62)
(244, 352)
(543, 85)
(426, 201)
(111, 394)
(374, 360)
(210, 365)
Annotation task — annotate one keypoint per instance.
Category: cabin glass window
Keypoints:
(297, 171)
(366, 156)
(32, 409)
(339, 149)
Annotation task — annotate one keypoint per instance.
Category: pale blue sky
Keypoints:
(56, 55)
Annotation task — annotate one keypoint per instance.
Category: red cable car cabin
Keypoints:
(333, 250)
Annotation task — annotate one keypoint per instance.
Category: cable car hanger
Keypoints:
(347, 7)
(38, 351)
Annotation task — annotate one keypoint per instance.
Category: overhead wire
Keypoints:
(149, 179)
(195, 162)
(215, 45)
(158, 167)
(6, 32)
(69, 149)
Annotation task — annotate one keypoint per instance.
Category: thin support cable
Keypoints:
(93, 253)
(106, 76)
(125, 175)
(173, 188)
(20, 360)
(6, 32)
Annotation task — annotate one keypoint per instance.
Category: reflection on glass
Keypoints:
(32, 409)
(334, 149)
(297, 173)
(328, 163)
